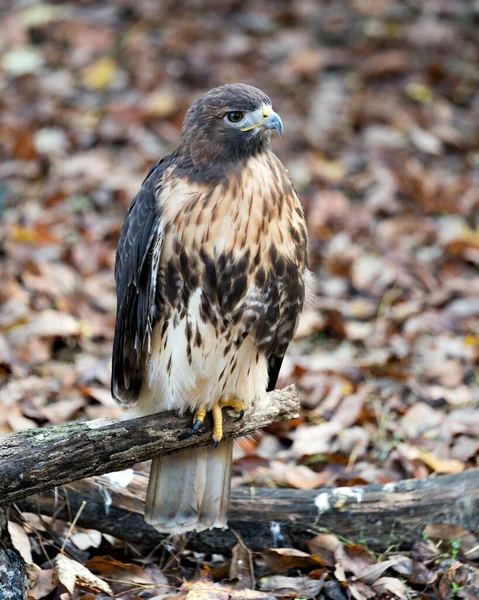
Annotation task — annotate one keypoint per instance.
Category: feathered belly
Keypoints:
(195, 364)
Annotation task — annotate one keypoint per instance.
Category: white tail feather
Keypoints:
(189, 491)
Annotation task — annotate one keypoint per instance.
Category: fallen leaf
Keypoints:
(315, 439)
(425, 551)
(20, 541)
(284, 559)
(49, 323)
(335, 590)
(70, 572)
(281, 585)
(100, 74)
(354, 558)
(21, 61)
(300, 477)
(160, 103)
(441, 465)
(415, 572)
(391, 585)
(420, 418)
(447, 580)
(464, 448)
(425, 141)
(371, 573)
(449, 532)
(88, 538)
(43, 583)
(62, 410)
(361, 591)
(310, 322)
(241, 568)
(124, 575)
(16, 420)
(324, 547)
(207, 590)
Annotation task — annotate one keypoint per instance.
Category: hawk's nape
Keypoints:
(211, 270)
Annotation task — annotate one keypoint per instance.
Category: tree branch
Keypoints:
(393, 514)
(40, 459)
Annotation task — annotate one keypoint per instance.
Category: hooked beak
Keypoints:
(274, 122)
(264, 118)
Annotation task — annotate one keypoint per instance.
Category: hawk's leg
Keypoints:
(237, 405)
(197, 421)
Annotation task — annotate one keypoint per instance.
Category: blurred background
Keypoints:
(380, 104)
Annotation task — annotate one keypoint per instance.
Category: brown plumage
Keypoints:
(211, 274)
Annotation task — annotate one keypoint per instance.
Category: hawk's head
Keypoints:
(228, 124)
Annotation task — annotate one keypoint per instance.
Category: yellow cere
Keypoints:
(266, 111)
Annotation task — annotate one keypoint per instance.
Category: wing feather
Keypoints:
(136, 272)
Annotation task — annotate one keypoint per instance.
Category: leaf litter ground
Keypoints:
(381, 108)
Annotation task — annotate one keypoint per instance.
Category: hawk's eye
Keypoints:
(234, 116)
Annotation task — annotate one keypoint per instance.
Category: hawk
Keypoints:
(210, 273)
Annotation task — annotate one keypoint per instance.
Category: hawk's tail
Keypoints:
(190, 491)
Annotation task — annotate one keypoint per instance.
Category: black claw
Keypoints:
(196, 426)
(193, 431)
(215, 443)
(240, 416)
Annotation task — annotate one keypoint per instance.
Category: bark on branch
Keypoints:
(37, 460)
(383, 515)
(40, 459)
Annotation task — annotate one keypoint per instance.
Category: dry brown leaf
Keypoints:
(310, 322)
(43, 583)
(391, 585)
(16, 420)
(361, 591)
(49, 323)
(446, 582)
(464, 448)
(315, 439)
(160, 103)
(441, 465)
(419, 419)
(281, 585)
(371, 573)
(63, 410)
(324, 547)
(354, 558)
(207, 590)
(70, 573)
(449, 532)
(415, 572)
(300, 477)
(88, 538)
(100, 74)
(425, 551)
(241, 569)
(280, 560)
(114, 569)
(20, 541)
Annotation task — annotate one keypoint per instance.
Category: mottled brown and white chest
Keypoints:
(242, 242)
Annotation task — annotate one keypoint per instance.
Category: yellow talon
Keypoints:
(237, 405)
(217, 424)
(197, 421)
(200, 415)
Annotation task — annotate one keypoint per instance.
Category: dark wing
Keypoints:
(286, 298)
(136, 268)
(286, 304)
(274, 367)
